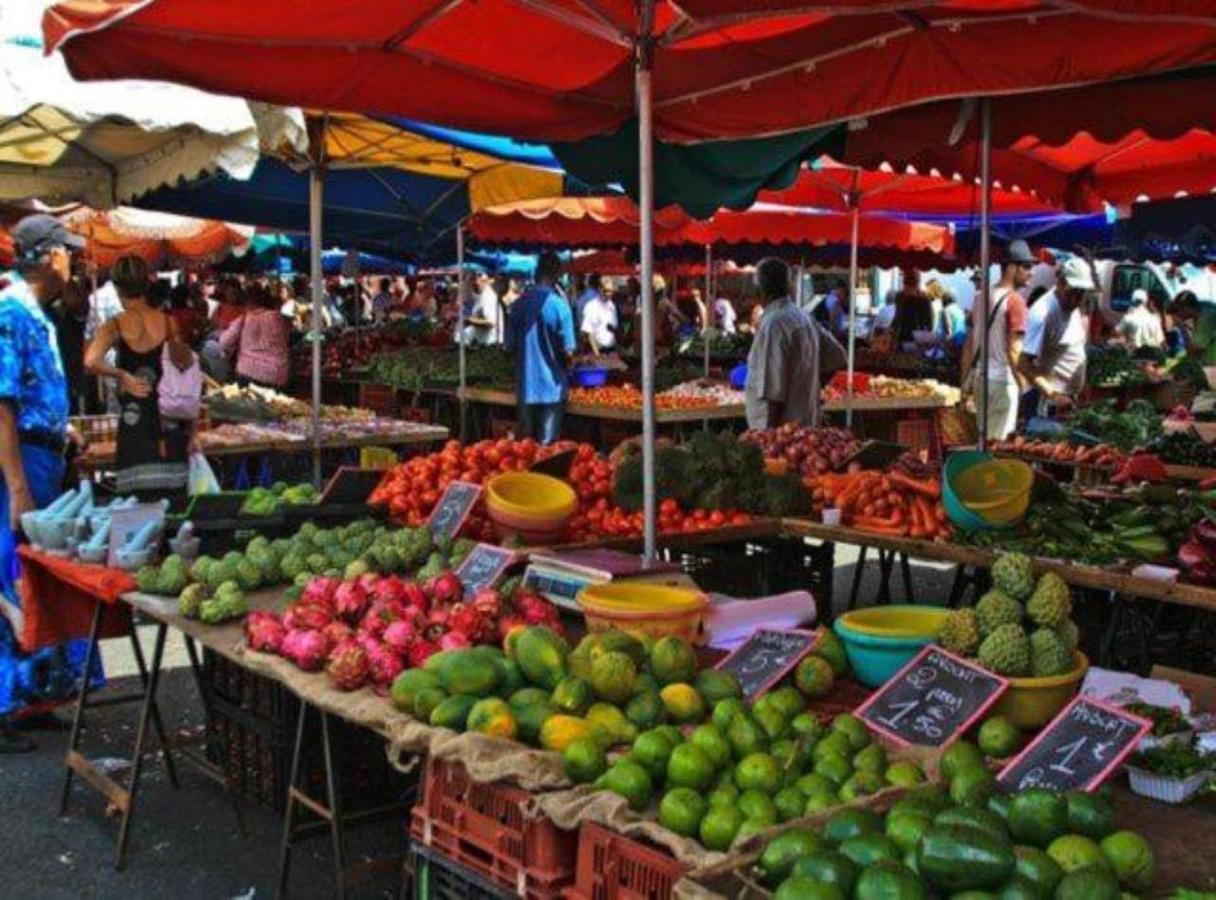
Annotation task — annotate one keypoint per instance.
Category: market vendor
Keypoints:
(1141, 326)
(1053, 358)
(1196, 321)
(33, 436)
(540, 331)
(599, 321)
(783, 364)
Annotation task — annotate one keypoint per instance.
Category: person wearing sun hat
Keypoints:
(1053, 357)
(33, 437)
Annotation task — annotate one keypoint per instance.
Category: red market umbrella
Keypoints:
(1148, 139)
(564, 69)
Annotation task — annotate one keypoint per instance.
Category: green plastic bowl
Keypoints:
(881, 640)
(957, 463)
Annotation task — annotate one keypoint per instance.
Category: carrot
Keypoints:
(928, 488)
(926, 514)
(880, 526)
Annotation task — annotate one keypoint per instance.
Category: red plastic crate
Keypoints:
(483, 827)
(612, 866)
(379, 398)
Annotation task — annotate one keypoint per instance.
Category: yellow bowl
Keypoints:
(528, 495)
(641, 608)
(896, 621)
(998, 491)
(1033, 702)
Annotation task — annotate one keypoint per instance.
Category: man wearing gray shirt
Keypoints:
(783, 365)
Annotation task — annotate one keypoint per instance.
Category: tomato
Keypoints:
(717, 518)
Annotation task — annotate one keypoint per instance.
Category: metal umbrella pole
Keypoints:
(985, 257)
(642, 79)
(705, 329)
(854, 200)
(316, 193)
(460, 349)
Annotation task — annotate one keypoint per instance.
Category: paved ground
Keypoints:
(185, 844)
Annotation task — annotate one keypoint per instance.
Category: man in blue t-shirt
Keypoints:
(540, 332)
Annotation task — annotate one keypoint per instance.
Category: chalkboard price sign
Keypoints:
(453, 508)
(765, 658)
(482, 567)
(932, 700)
(1078, 750)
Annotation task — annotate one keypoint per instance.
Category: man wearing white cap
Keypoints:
(1053, 359)
(1141, 327)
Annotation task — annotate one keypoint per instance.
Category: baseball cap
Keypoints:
(40, 233)
(1139, 297)
(1076, 274)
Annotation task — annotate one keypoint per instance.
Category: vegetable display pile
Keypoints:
(969, 841)
(1173, 762)
(688, 395)
(366, 631)
(1135, 426)
(1112, 367)
(811, 451)
(722, 347)
(1100, 455)
(266, 501)
(885, 387)
(1166, 720)
(1021, 628)
(1182, 448)
(413, 368)
(892, 503)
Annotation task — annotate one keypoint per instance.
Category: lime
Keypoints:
(806, 723)
(759, 771)
(871, 759)
(758, 806)
(672, 660)
(724, 795)
(1132, 859)
(752, 827)
(1039, 869)
(835, 767)
(771, 717)
(674, 735)
(813, 782)
(790, 803)
(780, 854)
(651, 750)
(788, 701)
(957, 756)
(853, 729)
(972, 786)
(819, 801)
(851, 823)
(906, 827)
(861, 784)
(904, 774)
(745, 736)
(999, 738)
(1075, 851)
(867, 849)
(830, 647)
(799, 887)
(688, 766)
(712, 742)
(814, 677)
(889, 879)
(833, 742)
(716, 685)
(629, 780)
(584, 760)
(719, 827)
(726, 710)
(681, 810)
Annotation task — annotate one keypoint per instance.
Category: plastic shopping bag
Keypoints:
(200, 478)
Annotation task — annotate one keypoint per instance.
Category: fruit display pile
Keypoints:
(883, 387)
(609, 495)
(367, 630)
(1021, 628)
(972, 842)
(258, 403)
(810, 451)
(688, 395)
(891, 504)
(414, 368)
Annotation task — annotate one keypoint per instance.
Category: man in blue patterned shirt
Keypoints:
(33, 436)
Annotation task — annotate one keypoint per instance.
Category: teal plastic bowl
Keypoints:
(956, 463)
(876, 653)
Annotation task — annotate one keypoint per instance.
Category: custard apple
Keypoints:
(995, 609)
(1069, 634)
(1050, 605)
(1013, 574)
(1048, 654)
(960, 632)
(1006, 651)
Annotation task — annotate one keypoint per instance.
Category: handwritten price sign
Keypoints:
(765, 658)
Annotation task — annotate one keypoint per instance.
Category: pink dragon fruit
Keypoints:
(264, 631)
(446, 588)
(414, 595)
(306, 648)
(454, 640)
(389, 589)
(400, 635)
(348, 666)
(381, 614)
(488, 603)
(384, 664)
(310, 616)
(421, 651)
(534, 608)
(337, 631)
(320, 592)
(466, 620)
(350, 600)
